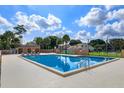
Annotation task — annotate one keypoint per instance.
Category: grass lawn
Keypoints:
(105, 54)
(109, 54)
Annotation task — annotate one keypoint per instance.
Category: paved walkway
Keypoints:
(17, 72)
(0, 68)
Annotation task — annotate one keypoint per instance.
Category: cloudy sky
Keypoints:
(79, 22)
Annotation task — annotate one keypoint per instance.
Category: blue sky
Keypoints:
(80, 22)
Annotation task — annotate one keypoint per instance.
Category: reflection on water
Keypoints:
(66, 63)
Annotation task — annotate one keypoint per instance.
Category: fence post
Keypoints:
(107, 46)
(122, 53)
(88, 46)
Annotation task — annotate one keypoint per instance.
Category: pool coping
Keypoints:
(69, 73)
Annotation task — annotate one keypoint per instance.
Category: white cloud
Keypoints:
(96, 16)
(119, 28)
(53, 22)
(5, 25)
(116, 14)
(37, 22)
(4, 22)
(104, 30)
(64, 29)
(62, 32)
(115, 29)
(119, 14)
(21, 18)
(2, 31)
(59, 33)
(83, 35)
(108, 7)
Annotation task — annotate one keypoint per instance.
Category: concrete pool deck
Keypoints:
(18, 73)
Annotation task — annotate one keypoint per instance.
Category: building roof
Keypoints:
(75, 47)
(83, 46)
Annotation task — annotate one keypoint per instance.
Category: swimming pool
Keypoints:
(64, 64)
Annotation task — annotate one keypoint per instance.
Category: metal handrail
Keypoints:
(82, 62)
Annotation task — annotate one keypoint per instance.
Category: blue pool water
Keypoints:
(66, 63)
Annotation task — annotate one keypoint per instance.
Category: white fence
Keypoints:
(8, 51)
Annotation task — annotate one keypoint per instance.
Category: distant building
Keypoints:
(80, 49)
(63, 46)
(83, 46)
(29, 48)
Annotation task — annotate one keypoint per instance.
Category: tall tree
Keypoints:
(53, 41)
(117, 44)
(20, 30)
(98, 44)
(66, 38)
(38, 40)
(15, 42)
(2, 42)
(59, 41)
(46, 43)
(74, 42)
(8, 40)
(8, 37)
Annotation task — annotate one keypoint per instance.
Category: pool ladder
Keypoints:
(84, 63)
